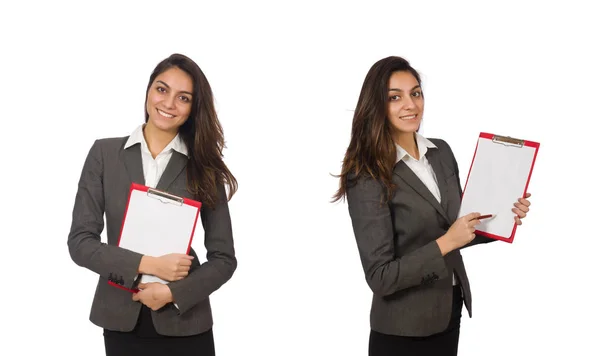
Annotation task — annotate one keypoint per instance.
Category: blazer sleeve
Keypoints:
(221, 261)
(479, 239)
(372, 223)
(111, 262)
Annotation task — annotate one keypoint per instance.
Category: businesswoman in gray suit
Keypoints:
(403, 195)
(178, 150)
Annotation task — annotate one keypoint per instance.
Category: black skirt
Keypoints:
(144, 340)
(444, 343)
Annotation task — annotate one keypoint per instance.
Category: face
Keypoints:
(405, 103)
(169, 100)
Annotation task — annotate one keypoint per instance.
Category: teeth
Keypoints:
(162, 113)
(408, 117)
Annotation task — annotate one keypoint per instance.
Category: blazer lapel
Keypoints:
(433, 156)
(407, 175)
(132, 157)
(176, 164)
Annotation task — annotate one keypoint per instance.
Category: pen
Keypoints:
(485, 216)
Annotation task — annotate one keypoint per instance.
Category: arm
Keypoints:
(210, 276)
(372, 224)
(85, 246)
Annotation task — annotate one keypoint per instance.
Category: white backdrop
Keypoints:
(286, 77)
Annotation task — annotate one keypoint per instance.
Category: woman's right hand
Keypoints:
(460, 233)
(171, 267)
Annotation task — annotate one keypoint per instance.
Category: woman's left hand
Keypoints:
(521, 208)
(153, 295)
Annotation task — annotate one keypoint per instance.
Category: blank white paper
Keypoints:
(498, 177)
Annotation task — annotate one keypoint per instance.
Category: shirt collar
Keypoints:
(137, 136)
(422, 144)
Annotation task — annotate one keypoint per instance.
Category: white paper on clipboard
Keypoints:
(157, 223)
(498, 176)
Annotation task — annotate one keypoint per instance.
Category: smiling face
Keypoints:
(169, 100)
(405, 104)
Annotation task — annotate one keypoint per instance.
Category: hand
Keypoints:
(171, 267)
(460, 233)
(521, 208)
(153, 295)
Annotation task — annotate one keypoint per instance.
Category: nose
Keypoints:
(169, 102)
(408, 103)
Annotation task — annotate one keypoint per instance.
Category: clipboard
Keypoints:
(157, 223)
(500, 172)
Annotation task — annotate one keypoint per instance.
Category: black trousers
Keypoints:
(444, 343)
(144, 340)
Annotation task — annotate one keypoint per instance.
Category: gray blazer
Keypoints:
(103, 190)
(410, 279)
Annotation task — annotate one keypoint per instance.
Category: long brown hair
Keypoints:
(202, 133)
(372, 151)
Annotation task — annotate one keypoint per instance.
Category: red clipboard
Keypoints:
(500, 173)
(157, 223)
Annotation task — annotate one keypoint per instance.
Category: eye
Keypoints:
(417, 94)
(394, 97)
(184, 98)
(161, 89)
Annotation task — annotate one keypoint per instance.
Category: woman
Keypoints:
(403, 195)
(178, 150)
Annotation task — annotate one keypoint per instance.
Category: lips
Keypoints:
(164, 114)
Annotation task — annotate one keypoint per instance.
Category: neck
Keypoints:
(408, 141)
(156, 139)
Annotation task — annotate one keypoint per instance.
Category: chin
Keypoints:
(163, 125)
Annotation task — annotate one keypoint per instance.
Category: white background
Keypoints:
(286, 77)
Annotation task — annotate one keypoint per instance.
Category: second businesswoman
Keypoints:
(403, 192)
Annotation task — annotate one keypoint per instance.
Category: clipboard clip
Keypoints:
(508, 141)
(164, 197)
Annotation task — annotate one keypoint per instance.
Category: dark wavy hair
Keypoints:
(202, 133)
(372, 151)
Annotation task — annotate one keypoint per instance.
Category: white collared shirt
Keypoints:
(422, 168)
(155, 167)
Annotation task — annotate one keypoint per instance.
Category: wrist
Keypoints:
(146, 265)
(445, 244)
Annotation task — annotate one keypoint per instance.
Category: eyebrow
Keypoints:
(167, 85)
(396, 89)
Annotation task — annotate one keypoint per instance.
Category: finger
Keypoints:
(142, 286)
(520, 214)
(471, 224)
(518, 221)
(524, 201)
(135, 297)
(182, 272)
(522, 207)
(186, 257)
(527, 195)
(185, 262)
(472, 216)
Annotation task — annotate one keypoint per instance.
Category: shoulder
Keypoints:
(111, 142)
(439, 143)
(108, 145)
